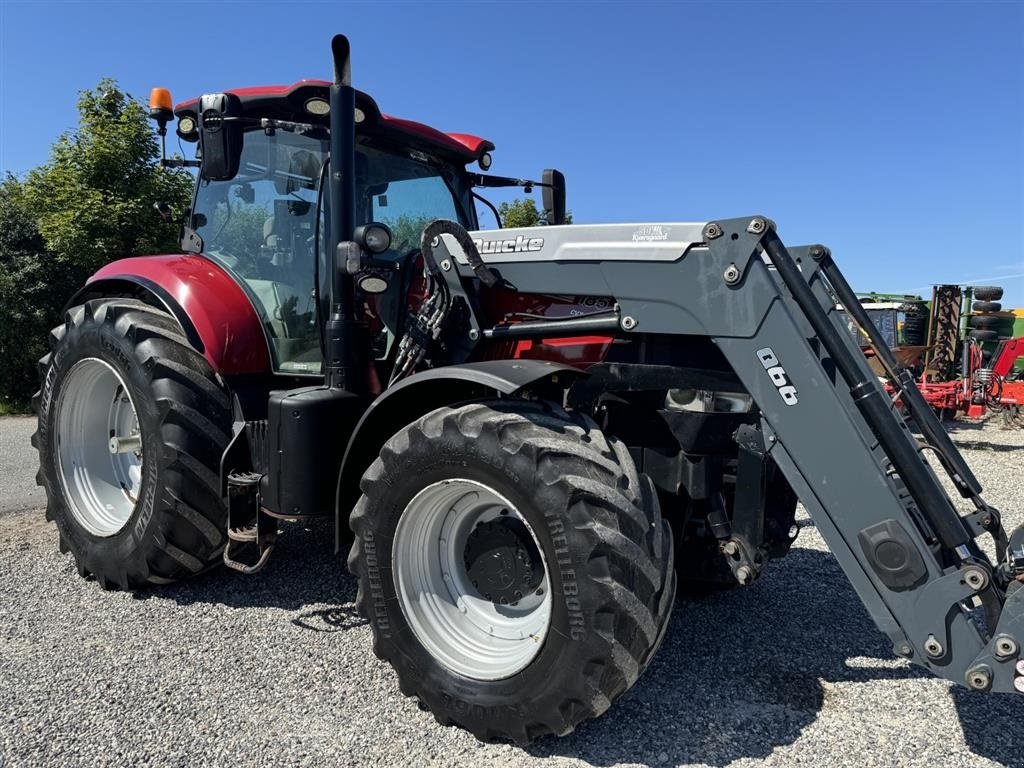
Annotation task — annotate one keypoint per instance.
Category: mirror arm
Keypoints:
(178, 162)
(485, 180)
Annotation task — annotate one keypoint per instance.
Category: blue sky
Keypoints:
(893, 132)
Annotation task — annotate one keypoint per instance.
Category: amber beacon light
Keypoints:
(160, 105)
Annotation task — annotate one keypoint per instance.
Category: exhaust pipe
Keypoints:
(340, 336)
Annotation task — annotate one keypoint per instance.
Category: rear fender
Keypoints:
(213, 310)
(424, 392)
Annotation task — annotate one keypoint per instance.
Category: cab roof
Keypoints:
(288, 102)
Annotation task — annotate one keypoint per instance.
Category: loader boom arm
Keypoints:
(825, 420)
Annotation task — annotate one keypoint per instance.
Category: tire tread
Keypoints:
(195, 420)
(611, 505)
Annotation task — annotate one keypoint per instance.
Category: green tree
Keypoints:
(523, 213)
(238, 230)
(93, 202)
(25, 296)
(406, 230)
(90, 204)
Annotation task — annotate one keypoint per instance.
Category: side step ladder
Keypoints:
(248, 524)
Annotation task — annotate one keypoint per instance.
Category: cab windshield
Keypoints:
(262, 226)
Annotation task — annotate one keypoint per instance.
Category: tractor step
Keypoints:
(248, 526)
(230, 553)
(248, 534)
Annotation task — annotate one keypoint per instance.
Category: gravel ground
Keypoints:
(277, 669)
(18, 489)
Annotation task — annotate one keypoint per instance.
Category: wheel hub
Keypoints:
(461, 554)
(99, 447)
(502, 561)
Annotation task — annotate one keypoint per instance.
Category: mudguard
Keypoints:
(423, 392)
(212, 309)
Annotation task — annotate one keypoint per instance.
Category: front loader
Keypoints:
(526, 437)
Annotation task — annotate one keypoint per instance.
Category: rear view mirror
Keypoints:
(553, 196)
(220, 136)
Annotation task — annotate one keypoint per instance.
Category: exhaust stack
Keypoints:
(340, 332)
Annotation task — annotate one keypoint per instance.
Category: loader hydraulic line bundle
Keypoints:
(526, 437)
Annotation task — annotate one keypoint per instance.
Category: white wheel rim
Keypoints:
(467, 633)
(101, 481)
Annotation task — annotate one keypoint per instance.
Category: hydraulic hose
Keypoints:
(438, 227)
(426, 327)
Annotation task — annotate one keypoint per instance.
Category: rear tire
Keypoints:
(986, 306)
(606, 555)
(986, 321)
(172, 523)
(988, 293)
(983, 335)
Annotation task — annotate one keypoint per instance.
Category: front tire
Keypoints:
(500, 500)
(132, 425)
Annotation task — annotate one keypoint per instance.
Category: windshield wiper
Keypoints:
(271, 124)
(303, 129)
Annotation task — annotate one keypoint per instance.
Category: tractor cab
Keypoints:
(260, 215)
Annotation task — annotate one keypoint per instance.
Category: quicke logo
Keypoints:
(519, 245)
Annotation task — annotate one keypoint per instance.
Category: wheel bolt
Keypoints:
(128, 444)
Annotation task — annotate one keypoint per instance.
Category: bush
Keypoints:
(523, 212)
(26, 277)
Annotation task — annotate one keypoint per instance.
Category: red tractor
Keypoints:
(526, 435)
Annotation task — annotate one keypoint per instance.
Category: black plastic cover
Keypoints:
(892, 555)
(308, 431)
(220, 136)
